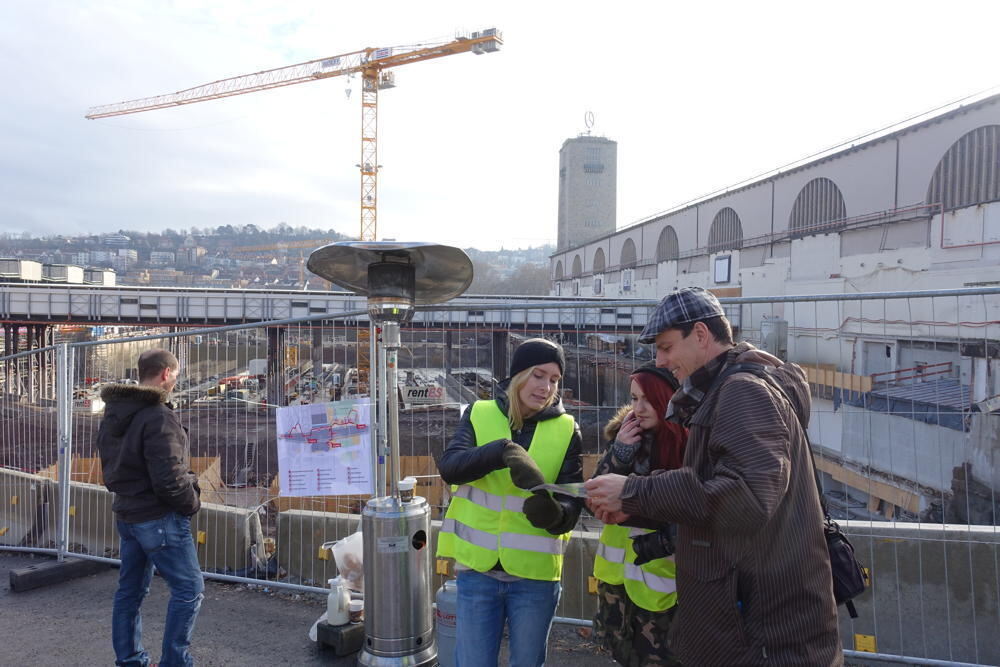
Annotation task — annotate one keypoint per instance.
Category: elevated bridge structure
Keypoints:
(30, 313)
(40, 304)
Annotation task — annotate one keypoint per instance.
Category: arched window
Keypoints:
(969, 172)
(628, 254)
(559, 270)
(726, 232)
(666, 247)
(818, 204)
(577, 267)
(599, 261)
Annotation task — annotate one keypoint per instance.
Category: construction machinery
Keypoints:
(373, 64)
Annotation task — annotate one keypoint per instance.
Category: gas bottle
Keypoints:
(446, 600)
(338, 603)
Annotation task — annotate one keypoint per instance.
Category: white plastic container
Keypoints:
(338, 603)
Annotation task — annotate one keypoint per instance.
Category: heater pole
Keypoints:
(399, 624)
(390, 334)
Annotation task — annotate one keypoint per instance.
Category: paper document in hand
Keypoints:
(574, 489)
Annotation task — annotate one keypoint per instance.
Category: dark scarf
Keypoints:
(694, 388)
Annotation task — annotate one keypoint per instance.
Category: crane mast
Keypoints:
(370, 63)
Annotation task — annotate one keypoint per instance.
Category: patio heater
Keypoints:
(395, 277)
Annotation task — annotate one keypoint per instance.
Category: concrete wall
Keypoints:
(984, 449)
(227, 538)
(904, 447)
(876, 177)
(826, 426)
(934, 591)
(91, 521)
(301, 533)
(27, 509)
(924, 600)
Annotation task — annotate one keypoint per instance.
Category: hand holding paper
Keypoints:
(605, 492)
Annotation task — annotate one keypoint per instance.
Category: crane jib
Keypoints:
(368, 62)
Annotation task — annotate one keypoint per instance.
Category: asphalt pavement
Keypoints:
(70, 624)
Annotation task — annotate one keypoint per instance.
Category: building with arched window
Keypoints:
(912, 208)
(916, 206)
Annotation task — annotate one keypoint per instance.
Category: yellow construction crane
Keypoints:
(370, 63)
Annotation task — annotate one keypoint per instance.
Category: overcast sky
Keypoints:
(698, 96)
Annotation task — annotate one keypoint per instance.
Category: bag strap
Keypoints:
(765, 373)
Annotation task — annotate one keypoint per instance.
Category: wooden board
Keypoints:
(891, 496)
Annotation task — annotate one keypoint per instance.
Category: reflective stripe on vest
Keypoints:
(612, 554)
(537, 543)
(469, 534)
(636, 573)
(609, 561)
(485, 522)
(489, 500)
(652, 586)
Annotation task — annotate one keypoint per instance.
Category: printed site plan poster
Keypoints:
(324, 449)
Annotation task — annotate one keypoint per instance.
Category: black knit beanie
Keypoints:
(663, 373)
(535, 352)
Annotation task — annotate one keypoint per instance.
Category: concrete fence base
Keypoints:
(925, 600)
(27, 509)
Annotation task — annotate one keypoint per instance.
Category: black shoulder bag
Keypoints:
(850, 578)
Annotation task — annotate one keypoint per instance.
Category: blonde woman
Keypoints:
(507, 541)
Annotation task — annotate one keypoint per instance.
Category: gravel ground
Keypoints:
(69, 624)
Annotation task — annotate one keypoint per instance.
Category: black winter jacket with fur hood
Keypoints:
(145, 456)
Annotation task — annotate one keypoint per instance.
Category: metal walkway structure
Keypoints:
(37, 303)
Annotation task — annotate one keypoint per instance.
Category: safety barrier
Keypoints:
(27, 510)
(909, 467)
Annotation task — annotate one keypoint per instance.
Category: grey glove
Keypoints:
(524, 472)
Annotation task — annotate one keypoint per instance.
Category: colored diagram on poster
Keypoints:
(324, 449)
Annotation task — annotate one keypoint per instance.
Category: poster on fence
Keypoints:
(324, 449)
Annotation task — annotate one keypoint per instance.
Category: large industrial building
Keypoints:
(910, 208)
(915, 208)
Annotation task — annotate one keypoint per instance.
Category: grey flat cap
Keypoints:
(688, 304)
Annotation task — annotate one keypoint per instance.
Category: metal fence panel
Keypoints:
(904, 388)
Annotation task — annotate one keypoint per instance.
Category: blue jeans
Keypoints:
(166, 543)
(486, 604)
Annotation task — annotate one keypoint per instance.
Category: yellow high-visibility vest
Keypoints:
(485, 521)
(652, 586)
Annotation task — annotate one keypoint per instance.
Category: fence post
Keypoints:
(64, 417)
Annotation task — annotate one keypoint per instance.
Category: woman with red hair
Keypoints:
(634, 565)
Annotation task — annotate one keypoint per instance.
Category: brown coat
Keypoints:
(753, 571)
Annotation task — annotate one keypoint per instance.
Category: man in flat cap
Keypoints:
(753, 570)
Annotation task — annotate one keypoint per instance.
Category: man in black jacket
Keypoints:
(146, 463)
